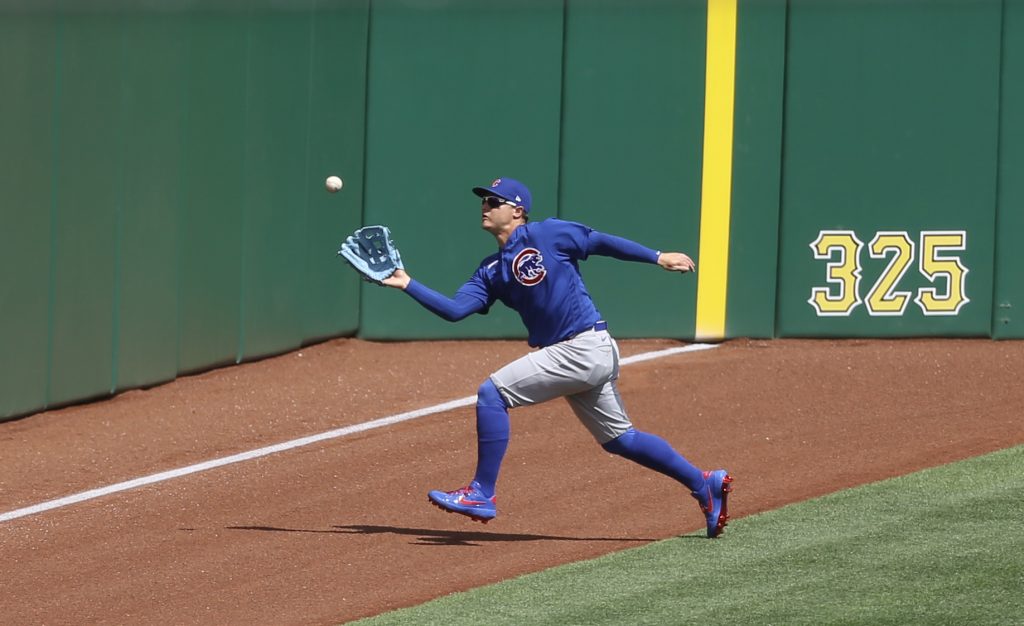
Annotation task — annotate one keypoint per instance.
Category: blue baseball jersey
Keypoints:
(537, 274)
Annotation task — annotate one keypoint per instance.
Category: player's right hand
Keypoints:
(676, 262)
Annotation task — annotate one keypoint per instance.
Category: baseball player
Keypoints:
(535, 272)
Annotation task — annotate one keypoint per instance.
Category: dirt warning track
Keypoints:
(340, 528)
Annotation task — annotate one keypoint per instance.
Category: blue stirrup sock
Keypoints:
(492, 431)
(655, 453)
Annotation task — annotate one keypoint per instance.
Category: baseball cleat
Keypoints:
(468, 501)
(713, 500)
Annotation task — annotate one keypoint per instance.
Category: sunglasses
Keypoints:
(495, 202)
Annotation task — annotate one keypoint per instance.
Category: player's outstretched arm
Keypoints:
(621, 248)
(676, 262)
(451, 309)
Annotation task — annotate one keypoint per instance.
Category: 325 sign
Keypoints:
(938, 260)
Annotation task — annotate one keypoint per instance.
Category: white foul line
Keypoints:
(295, 443)
(657, 354)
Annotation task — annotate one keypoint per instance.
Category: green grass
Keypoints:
(941, 546)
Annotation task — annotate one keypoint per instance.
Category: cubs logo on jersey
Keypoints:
(528, 267)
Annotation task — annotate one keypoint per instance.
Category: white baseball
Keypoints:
(333, 184)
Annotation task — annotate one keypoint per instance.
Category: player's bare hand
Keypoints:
(676, 262)
(398, 280)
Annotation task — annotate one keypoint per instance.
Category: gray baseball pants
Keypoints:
(583, 369)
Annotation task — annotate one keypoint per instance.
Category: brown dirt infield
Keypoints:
(341, 529)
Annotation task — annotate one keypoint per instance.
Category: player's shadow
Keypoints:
(437, 537)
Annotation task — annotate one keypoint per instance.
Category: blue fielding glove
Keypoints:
(371, 251)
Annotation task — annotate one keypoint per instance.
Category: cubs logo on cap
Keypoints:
(508, 189)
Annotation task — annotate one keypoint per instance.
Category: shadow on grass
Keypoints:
(437, 537)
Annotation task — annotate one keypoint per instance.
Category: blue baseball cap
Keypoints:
(509, 189)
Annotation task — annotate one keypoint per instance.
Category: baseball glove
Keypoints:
(372, 252)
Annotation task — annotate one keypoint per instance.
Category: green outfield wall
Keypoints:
(1008, 303)
(161, 194)
(836, 169)
(890, 169)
